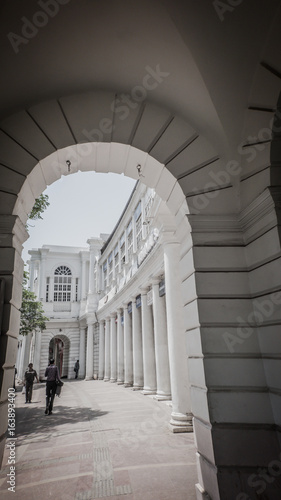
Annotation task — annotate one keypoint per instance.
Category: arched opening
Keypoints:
(59, 350)
(219, 260)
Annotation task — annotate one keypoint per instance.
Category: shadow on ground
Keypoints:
(32, 420)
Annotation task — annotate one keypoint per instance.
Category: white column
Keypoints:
(90, 352)
(25, 354)
(181, 413)
(128, 348)
(82, 352)
(101, 350)
(37, 351)
(161, 344)
(42, 277)
(137, 347)
(107, 351)
(120, 349)
(31, 275)
(149, 369)
(83, 276)
(113, 348)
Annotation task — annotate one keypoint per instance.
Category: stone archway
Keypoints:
(217, 288)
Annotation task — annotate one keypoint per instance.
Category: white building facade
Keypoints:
(116, 305)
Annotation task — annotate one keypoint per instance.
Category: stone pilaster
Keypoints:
(90, 351)
(82, 353)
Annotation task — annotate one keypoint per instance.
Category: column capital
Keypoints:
(119, 311)
(156, 280)
(112, 315)
(91, 319)
(144, 290)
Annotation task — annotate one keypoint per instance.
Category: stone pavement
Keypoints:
(102, 441)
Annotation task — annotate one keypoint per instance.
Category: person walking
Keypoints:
(29, 377)
(76, 368)
(52, 374)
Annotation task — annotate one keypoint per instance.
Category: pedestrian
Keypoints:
(52, 374)
(29, 377)
(76, 368)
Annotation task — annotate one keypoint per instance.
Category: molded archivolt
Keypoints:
(29, 138)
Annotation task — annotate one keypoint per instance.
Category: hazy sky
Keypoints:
(82, 205)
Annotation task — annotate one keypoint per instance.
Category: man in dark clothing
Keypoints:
(76, 368)
(52, 374)
(29, 377)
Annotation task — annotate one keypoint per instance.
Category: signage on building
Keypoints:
(130, 307)
(149, 298)
(162, 289)
(138, 301)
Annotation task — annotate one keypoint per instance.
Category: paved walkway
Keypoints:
(102, 441)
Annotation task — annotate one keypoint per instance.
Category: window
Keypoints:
(138, 220)
(62, 284)
(110, 268)
(76, 290)
(116, 258)
(130, 240)
(47, 289)
(122, 250)
(104, 268)
(149, 205)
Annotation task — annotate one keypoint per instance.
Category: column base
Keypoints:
(181, 422)
(120, 382)
(128, 384)
(163, 397)
(137, 387)
(100, 378)
(106, 379)
(113, 380)
(148, 392)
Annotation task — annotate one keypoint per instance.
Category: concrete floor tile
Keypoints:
(100, 434)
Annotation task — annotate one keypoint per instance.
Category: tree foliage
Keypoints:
(32, 313)
(39, 207)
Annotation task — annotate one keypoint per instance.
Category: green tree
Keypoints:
(40, 205)
(32, 313)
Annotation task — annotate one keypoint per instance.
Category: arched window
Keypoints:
(62, 284)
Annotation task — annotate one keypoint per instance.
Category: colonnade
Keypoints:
(142, 343)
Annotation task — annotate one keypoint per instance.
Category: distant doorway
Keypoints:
(59, 350)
